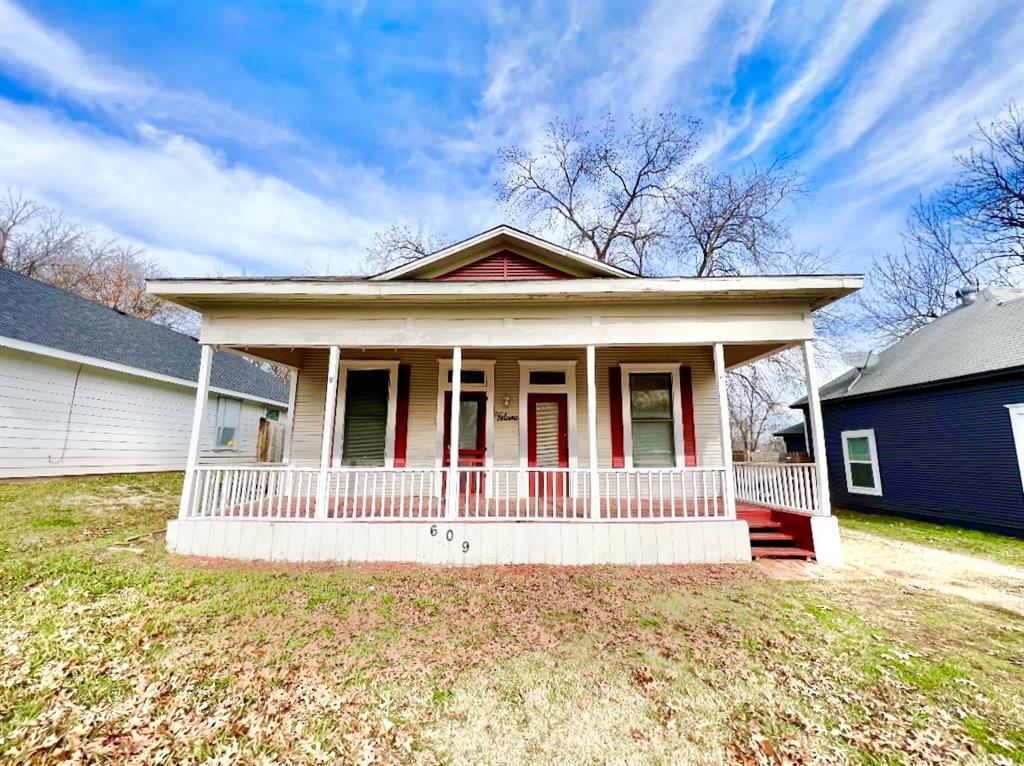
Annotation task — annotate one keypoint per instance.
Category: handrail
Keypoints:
(483, 493)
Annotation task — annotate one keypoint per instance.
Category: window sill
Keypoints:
(863, 491)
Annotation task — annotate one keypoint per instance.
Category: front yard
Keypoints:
(119, 653)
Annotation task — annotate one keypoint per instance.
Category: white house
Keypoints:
(85, 389)
(505, 400)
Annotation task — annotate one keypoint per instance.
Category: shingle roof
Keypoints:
(35, 312)
(975, 338)
(793, 430)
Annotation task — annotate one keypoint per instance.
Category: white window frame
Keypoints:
(218, 423)
(1017, 424)
(627, 410)
(526, 366)
(444, 366)
(869, 434)
(391, 365)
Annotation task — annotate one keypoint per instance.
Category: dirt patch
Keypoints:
(870, 556)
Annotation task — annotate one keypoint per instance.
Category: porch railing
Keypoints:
(788, 486)
(483, 493)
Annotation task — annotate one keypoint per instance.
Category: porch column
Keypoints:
(293, 382)
(595, 494)
(817, 430)
(451, 506)
(726, 431)
(195, 440)
(330, 402)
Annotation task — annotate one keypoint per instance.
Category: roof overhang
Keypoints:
(496, 239)
(815, 291)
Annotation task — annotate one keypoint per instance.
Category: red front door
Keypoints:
(548, 443)
(472, 435)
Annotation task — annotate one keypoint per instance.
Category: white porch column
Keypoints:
(451, 509)
(726, 431)
(595, 494)
(195, 440)
(293, 382)
(330, 402)
(817, 429)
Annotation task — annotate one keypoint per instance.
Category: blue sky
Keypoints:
(275, 138)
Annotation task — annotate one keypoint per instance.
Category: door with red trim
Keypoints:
(472, 436)
(547, 431)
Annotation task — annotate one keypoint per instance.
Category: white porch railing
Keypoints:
(789, 486)
(484, 493)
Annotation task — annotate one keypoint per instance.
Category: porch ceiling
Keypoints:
(735, 355)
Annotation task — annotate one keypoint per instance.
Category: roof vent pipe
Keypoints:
(967, 294)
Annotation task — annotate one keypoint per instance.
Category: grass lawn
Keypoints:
(135, 656)
(1008, 550)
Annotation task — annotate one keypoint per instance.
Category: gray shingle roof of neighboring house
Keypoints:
(983, 336)
(793, 430)
(35, 312)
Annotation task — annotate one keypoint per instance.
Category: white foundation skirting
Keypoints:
(464, 543)
(828, 551)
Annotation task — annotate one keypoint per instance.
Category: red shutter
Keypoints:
(402, 416)
(615, 413)
(689, 436)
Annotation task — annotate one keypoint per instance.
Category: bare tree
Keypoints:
(633, 197)
(732, 223)
(757, 405)
(970, 232)
(606, 189)
(401, 243)
(38, 242)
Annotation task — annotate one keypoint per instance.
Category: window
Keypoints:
(472, 377)
(861, 460)
(547, 377)
(366, 418)
(651, 419)
(229, 413)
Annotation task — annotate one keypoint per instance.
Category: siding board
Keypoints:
(422, 440)
(118, 422)
(945, 454)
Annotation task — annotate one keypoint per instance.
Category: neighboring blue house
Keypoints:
(935, 428)
(795, 438)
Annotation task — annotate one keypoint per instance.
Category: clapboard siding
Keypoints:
(945, 454)
(118, 422)
(423, 400)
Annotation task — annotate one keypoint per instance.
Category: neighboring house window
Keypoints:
(366, 418)
(1017, 424)
(229, 414)
(861, 458)
(653, 416)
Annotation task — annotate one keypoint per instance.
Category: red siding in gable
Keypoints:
(502, 267)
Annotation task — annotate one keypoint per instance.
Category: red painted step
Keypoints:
(765, 537)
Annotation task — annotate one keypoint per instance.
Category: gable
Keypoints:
(502, 254)
(504, 266)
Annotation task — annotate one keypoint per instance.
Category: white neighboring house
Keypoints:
(85, 389)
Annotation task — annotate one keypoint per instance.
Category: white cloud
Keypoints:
(175, 195)
(854, 21)
(53, 61)
(925, 51)
(647, 60)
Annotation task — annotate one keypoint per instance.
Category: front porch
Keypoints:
(506, 401)
(573, 495)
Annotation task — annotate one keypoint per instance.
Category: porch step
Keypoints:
(770, 537)
(765, 552)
